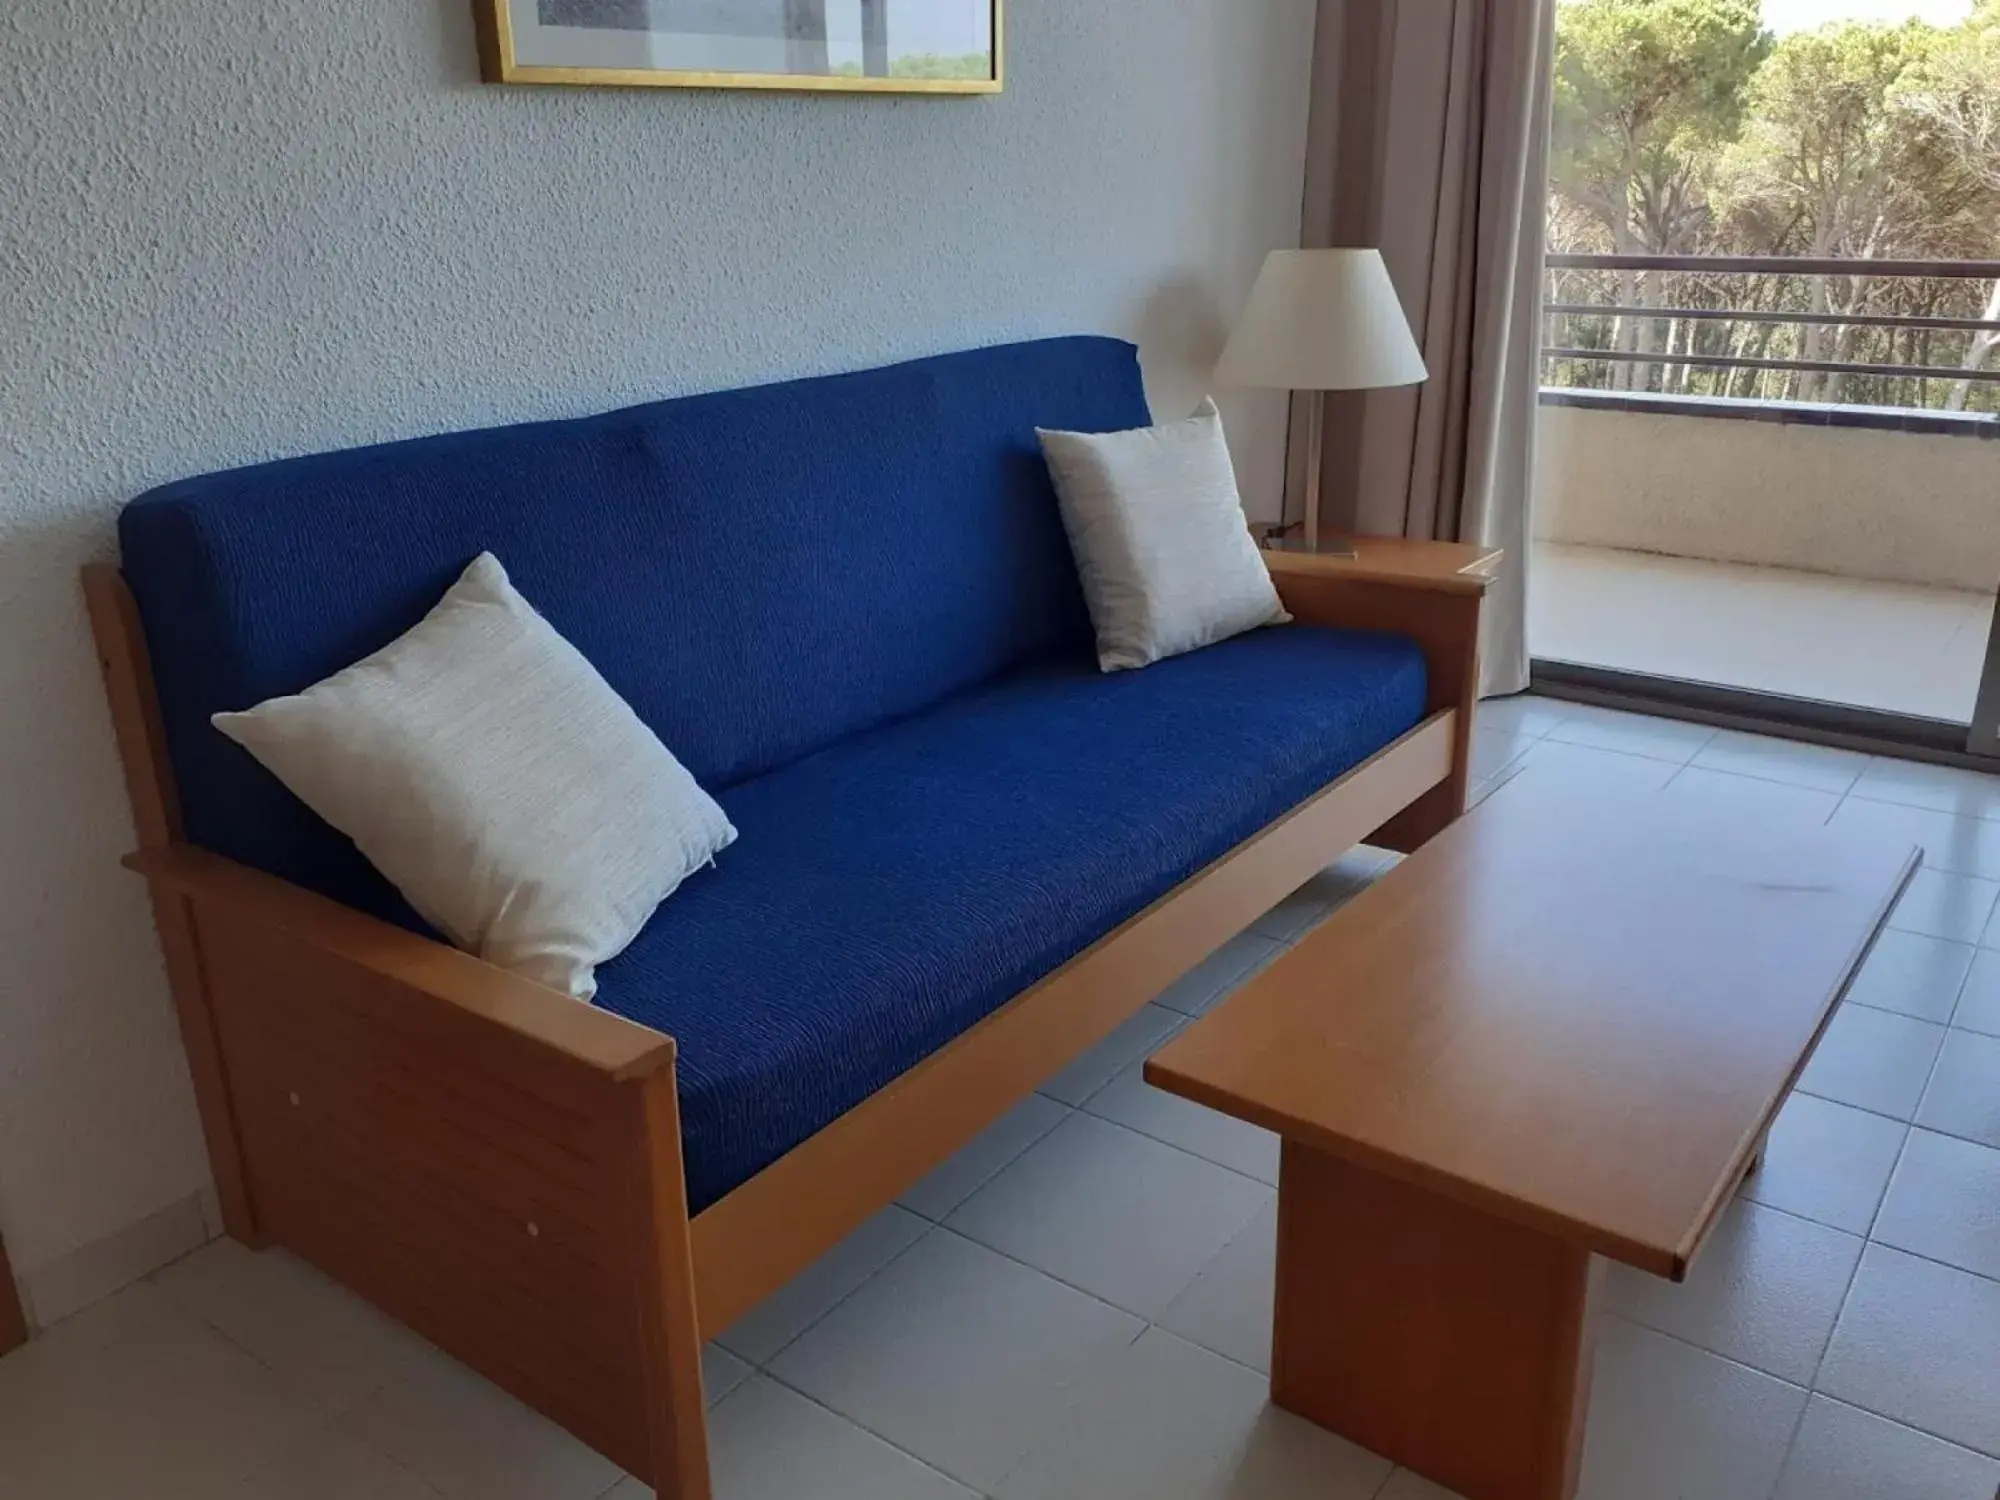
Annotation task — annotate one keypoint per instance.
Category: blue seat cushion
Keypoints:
(891, 891)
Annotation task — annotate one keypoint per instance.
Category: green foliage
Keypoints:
(1823, 152)
(936, 65)
(931, 65)
(1954, 89)
(1681, 127)
(1645, 92)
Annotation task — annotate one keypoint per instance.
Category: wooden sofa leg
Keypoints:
(156, 817)
(182, 951)
(664, 1258)
(1425, 818)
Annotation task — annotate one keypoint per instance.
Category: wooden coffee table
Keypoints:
(1555, 1035)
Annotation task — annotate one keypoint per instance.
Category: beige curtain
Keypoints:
(1430, 139)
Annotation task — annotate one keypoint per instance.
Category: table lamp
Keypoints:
(1321, 320)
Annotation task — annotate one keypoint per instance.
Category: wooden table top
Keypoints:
(1441, 567)
(1576, 1013)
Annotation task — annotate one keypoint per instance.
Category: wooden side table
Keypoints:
(1452, 567)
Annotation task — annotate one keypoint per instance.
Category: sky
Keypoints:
(950, 27)
(1802, 15)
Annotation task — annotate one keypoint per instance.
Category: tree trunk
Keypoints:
(1647, 333)
(1844, 335)
(1812, 345)
(1983, 344)
(1756, 380)
(1625, 329)
(1750, 340)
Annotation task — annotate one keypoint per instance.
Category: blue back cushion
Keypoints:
(760, 573)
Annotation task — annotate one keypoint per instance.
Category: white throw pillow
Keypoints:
(1161, 542)
(488, 771)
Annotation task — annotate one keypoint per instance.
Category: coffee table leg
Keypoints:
(1457, 1344)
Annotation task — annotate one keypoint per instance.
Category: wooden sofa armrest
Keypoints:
(1406, 563)
(597, 1039)
(1433, 592)
(487, 1159)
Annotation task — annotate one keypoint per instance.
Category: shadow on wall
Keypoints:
(84, 994)
(457, 41)
(1183, 330)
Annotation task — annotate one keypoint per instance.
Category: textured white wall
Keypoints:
(245, 228)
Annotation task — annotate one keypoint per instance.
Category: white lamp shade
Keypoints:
(1322, 320)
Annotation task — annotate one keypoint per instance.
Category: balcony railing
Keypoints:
(1909, 334)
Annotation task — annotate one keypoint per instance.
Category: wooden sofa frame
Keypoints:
(499, 1167)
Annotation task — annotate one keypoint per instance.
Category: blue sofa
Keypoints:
(848, 606)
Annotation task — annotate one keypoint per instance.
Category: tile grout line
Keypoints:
(860, 1426)
(1068, 1109)
(334, 1415)
(1796, 1218)
(1124, 1312)
(1909, 1426)
(1958, 1004)
(1809, 1391)
(1847, 1293)
(763, 1366)
(1084, 1109)
(1146, 1324)
(1929, 1260)
(1953, 1135)
(331, 1422)
(1862, 1108)
(1884, 1010)
(1688, 1343)
(1902, 1151)
(1798, 1422)
(1791, 1446)
(1840, 1312)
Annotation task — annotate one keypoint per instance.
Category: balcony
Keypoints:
(1747, 481)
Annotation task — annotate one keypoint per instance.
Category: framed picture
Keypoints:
(863, 46)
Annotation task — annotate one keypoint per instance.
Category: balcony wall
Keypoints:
(1908, 498)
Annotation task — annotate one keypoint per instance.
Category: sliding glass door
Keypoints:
(1771, 381)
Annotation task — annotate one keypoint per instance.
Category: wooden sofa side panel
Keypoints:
(475, 1186)
(464, 1191)
(156, 819)
(766, 1231)
(1445, 623)
(490, 1162)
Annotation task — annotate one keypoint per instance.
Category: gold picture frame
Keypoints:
(517, 46)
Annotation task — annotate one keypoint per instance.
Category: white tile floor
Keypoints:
(1895, 646)
(1076, 1307)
